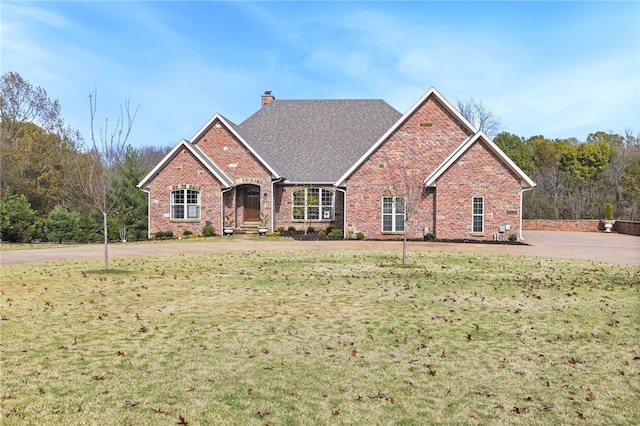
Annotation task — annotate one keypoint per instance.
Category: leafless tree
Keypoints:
(481, 116)
(405, 183)
(98, 169)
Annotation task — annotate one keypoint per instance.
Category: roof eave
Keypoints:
(231, 128)
(431, 92)
(525, 181)
(224, 179)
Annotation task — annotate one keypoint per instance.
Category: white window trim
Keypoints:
(393, 215)
(321, 207)
(474, 215)
(185, 204)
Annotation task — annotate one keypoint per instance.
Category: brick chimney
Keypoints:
(267, 97)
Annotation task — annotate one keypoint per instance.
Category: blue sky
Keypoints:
(559, 69)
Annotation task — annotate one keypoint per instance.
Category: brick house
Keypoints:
(355, 165)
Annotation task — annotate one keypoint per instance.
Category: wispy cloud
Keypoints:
(543, 67)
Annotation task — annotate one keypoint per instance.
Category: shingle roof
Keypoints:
(316, 141)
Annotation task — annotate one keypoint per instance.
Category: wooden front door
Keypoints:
(252, 204)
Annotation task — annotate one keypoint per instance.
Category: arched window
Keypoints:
(185, 204)
(313, 204)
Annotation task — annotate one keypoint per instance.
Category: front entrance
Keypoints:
(252, 204)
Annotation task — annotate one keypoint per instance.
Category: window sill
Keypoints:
(392, 232)
(184, 220)
(477, 234)
(313, 220)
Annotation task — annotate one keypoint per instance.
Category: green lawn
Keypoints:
(320, 338)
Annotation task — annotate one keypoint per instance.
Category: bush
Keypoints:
(87, 230)
(608, 211)
(18, 220)
(61, 224)
(291, 228)
(513, 238)
(208, 231)
(163, 234)
(328, 230)
(336, 233)
(187, 233)
(272, 234)
(311, 230)
(360, 236)
(429, 236)
(322, 234)
(280, 229)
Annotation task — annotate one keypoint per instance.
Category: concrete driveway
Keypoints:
(599, 247)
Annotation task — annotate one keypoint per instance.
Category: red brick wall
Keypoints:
(233, 158)
(477, 173)
(239, 164)
(627, 227)
(185, 169)
(561, 225)
(422, 143)
(584, 225)
(283, 209)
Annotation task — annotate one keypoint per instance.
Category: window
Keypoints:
(477, 216)
(185, 204)
(313, 204)
(393, 214)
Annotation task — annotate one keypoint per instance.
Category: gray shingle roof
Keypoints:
(316, 141)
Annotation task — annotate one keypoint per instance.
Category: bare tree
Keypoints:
(97, 171)
(405, 187)
(481, 116)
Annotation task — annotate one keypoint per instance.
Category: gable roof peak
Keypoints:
(432, 92)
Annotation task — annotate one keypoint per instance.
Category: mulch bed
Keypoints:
(313, 236)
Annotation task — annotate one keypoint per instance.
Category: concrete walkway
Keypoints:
(599, 247)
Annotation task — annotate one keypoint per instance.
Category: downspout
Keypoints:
(222, 206)
(273, 198)
(522, 191)
(148, 212)
(344, 212)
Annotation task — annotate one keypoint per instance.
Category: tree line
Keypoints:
(577, 179)
(45, 167)
(50, 176)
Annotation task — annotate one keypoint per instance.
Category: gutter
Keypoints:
(344, 214)
(273, 213)
(148, 212)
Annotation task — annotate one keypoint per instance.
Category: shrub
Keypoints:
(311, 230)
(187, 233)
(208, 231)
(163, 234)
(429, 236)
(87, 230)
(18, 221)
(280, 229)
(322, 234)
(335, 233)
(608, 211)
(513, 238)
(328, 230)
(61, 224)
(291, 228)
(272, 234)
(360, 236)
